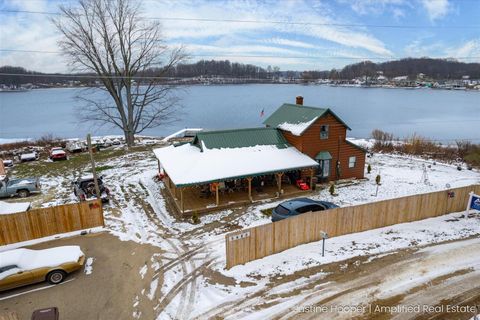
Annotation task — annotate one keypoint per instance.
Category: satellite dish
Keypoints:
(448, 185)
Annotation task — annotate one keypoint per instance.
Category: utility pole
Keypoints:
(92, 161)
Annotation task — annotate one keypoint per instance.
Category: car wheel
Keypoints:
(56, 276)
(23, 193)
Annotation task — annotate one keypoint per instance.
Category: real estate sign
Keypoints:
(473, 202)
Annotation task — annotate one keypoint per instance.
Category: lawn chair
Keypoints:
(302, 185)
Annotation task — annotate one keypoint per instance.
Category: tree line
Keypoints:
(16, 76)
(436, 69)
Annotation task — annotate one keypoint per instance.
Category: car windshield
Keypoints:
(84, 184)
(282, 210)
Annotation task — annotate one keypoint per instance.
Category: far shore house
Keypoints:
(298, 147)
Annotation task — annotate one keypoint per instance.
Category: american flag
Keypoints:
(262, 113)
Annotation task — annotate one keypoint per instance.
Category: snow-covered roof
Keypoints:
(296, 128)
(27, 259)
(9, 208)
(297, 118)
(189, 165)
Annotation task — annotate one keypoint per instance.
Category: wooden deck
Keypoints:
(194, 203)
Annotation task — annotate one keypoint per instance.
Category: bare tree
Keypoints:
(112, 39)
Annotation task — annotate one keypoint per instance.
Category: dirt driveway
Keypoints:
(113, 289)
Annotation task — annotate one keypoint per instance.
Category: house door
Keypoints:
(324, 168)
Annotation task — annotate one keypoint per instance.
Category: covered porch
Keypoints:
(204, 198)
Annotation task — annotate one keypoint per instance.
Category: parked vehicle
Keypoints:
(8, 163)
(76, 146)
(57, 154)
(18, 187)
(84, 189)
(20, 267)
(298, 206)
(31, 156)
(46, 314)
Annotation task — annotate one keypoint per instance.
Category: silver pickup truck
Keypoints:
(19, 187)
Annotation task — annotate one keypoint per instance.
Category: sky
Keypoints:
(290, 34)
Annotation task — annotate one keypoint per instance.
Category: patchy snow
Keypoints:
(143, 271)
(27, 259)
(89, 266)
(153, 289)
(14, 207)
(296, 128)
(187, 164)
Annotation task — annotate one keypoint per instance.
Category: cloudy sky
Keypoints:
(294, 35)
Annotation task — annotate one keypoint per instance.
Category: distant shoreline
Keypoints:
(269, 83)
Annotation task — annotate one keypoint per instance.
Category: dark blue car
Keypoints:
(298, 206)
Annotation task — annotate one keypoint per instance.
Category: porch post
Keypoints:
(279, 181)
(311, 179)
(181, 200)
(249, 179)
(216, 193)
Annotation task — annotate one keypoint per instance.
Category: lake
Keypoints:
(438, 114)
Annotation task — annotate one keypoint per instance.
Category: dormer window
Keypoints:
(324, 131)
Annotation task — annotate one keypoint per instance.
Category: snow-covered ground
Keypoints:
(191, 257)
(439, 229)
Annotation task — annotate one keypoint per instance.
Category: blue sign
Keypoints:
(475, 204)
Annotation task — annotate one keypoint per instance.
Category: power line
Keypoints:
(256, 56)
(73, 76)
(232, 55)
(275, 22)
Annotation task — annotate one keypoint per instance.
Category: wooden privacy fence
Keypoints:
(43, 222)
(257, 242)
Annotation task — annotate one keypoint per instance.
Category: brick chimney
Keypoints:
(299, 100)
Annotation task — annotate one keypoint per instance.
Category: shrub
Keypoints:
(332, 189)
(378, 179)
(369, 168)
(195, 218)
(383, 140)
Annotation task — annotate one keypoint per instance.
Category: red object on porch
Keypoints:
(302, 185)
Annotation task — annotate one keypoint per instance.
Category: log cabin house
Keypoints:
(298, 147)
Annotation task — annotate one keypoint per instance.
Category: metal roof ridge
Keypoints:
(306, 107)
(235, 129)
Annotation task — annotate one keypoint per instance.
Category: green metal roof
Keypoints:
(323, 155)
(240, 138)
(295, 113)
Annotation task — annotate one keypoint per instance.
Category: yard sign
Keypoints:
(473, 202)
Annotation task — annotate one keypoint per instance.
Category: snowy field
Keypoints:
(192, 258)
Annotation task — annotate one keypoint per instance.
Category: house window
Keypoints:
(352, 161)
(324, 131)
